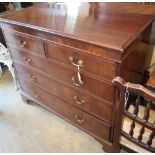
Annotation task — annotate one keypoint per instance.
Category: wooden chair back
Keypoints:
(143, 121)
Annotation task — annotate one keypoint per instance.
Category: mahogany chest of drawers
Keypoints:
(65, 61)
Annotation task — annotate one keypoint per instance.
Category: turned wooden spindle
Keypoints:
(150, 139)
(132, 128)
(136, 109)
(142, 130)
(147, 111)
(135, 113)
(152, 135)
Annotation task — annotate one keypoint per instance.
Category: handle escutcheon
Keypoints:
(78, 101)
(36, 95)
(79, 119)
(32, 77)
(27, 60)
(75, 61)
(22, 44)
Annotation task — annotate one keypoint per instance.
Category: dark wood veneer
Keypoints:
(44, 42)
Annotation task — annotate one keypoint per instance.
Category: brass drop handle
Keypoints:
(77, 82)
(79, 119)
(80, 102)
(35, 94)
(32, 77)
(22, 43)
(78, 63)
(27, 61)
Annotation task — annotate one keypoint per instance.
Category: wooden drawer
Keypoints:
(81, 119)
(24, 42)
(28, 59)
(99, 108)
(89, 63)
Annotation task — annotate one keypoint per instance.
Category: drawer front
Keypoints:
(81, 119)
(96, 107)
(87, 84)
(87, 62)
(28, 59)
(26, 43)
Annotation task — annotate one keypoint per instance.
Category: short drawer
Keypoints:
(88, 123)
(24, 42)
(99, 108)
(28, 59)
(87, 62)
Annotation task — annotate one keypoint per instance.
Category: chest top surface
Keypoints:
(100, 25)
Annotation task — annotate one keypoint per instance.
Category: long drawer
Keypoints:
(87, 62)
(24, 42)
(99, 108)
(97, 128)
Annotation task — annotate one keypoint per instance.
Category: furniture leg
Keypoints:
(25, 99)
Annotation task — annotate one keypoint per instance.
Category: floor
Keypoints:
(31, 128)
